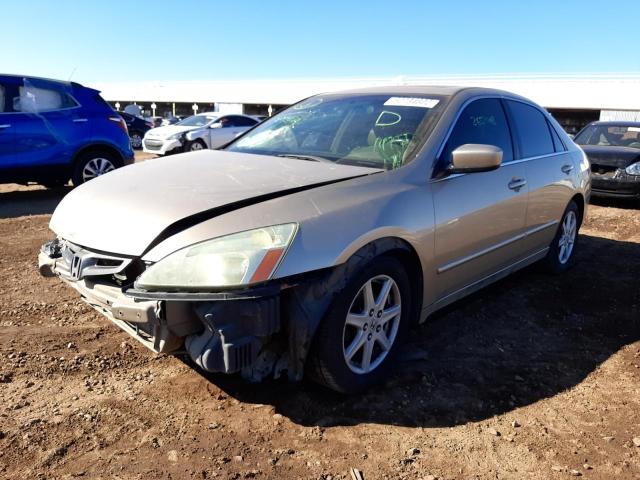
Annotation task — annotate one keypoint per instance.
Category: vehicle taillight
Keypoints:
(121, 123)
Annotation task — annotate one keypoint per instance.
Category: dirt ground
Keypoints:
(535, 377)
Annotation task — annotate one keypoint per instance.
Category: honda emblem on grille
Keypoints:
(76, 267)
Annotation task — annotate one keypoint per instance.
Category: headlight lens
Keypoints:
(175, 136)
(239, 259)
(633, 169)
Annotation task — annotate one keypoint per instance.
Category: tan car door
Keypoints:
(480, 217)
(549, 169)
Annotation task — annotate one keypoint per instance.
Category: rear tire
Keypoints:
(561, 254)
(136, 140)
(357, 342)
(92, 164)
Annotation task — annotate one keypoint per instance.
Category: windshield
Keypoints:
(197, 121)
(379, 131)
(610, 135)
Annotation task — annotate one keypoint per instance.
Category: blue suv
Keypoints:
(53, 131)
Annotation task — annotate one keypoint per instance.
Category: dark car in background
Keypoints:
(52, 131)
(137, 127)
(613, 149)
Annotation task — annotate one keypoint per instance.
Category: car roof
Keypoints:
(53, 80)
(464, 93)
(447, 90)
(405, 89)
(615, 123)
(219, 114)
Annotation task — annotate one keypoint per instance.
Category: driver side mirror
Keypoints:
(215, 125)
(475, 157)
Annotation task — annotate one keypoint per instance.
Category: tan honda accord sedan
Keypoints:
(312, 243)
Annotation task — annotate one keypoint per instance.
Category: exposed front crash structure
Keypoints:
(257, 331)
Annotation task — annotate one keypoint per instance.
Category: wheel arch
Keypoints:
(578, 198)
(402, 250)
(307, 303)
(97, 147)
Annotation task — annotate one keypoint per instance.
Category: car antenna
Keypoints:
(72, 72)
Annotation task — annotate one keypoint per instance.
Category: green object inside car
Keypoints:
(392, 149)
(392, 138)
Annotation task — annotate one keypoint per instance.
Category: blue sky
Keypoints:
(113, 40)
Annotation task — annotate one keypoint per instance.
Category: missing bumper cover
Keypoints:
(234, 333)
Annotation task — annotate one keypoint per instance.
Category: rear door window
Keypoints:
(483, 121)
(532, 130)
(238, 121)
(33, 99)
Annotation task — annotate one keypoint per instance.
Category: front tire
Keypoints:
(92, 164)
(195, 146)
(561, 254)
(358, 340)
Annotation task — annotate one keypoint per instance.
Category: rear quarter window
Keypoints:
(532, 130)
(2, 97)
(557, 143)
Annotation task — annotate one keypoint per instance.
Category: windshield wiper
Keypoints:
(311, 158)
(361, 162)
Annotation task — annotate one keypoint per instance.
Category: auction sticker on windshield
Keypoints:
(412, 102)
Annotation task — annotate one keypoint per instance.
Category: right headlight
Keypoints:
(633, 169)
(234, 260)
(175, 136)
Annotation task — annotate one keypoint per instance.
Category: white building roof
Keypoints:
(575, 91)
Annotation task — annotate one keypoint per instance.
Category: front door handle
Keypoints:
(517, 183)
(567, 168)
(6, 125)
(80, 120)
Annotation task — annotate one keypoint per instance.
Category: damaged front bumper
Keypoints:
(160, 146)
(616, 184)
(221, 332)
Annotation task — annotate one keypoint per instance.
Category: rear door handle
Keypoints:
(567, 169)
(517, 183)
(6, 125)
(80, 120)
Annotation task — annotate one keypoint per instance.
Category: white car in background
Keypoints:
(198, 132)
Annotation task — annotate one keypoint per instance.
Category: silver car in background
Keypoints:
(198, 132)
(314, 242)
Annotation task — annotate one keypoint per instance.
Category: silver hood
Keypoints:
(124, 211)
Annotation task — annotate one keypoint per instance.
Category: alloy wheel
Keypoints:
(136, 140)
(195, 146)
(567, 237)
(372, 324)
(96, 167)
